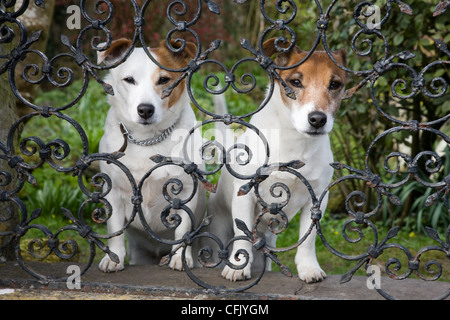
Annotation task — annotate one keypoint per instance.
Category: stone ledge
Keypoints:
(155, 282)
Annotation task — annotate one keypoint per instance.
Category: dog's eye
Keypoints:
(296, 83)
(334, 85)
(129, 80)
(163, 80)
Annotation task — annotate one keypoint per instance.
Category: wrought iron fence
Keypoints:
(16, 171)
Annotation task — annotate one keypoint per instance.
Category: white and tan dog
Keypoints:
(295, 130)
(154, 126)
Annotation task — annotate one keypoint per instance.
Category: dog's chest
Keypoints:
(153, 180)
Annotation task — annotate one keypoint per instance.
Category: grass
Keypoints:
(332, 264)
(56, 189)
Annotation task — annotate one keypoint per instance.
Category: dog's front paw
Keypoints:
(236, 274)
(176, 262)
(311, 273)
(107, 265)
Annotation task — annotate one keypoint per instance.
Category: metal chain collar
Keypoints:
(148, 142)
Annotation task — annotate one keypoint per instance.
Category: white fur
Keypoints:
(142, 248)
(299, 118)
(285, 129)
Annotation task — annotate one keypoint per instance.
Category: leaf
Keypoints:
(243, 227)
(167, 92)
(392, 233)
(245, 43)
(433, 234)
(349, 275)
(395, 200)
(215, 44)
(296, 164)
(350, 92)
(35, 214)
(40, 3)
(442, 46)
(207, 221)
(285, 270)
(240, 224)
(431, 199)
(31, 179)
(213, 7)
(65, 41)
(346, 277)
(108, 88)
(164, 260)
(68, 214)
(360, 108)
(405, 55)
(243, 190)
(212, 47)
(398, 39)
(337, 165)
(114, 257)
(158, 158)
(441, 8)
(289, 92)
(116, 155)
(35, 36)
(404, 8)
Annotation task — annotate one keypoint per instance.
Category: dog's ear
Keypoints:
(281, 59)
(114, 52)
(341, 56)
(188, 53)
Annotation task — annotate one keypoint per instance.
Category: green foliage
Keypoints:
(426, 209)
(57, 189)
(54, 190)
(360, 122)
(332, 230)
(90, 112)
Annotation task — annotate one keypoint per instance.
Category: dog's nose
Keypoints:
(146, 111)
(317, 119)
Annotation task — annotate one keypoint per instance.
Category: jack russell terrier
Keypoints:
(295, 130)
(152, 125)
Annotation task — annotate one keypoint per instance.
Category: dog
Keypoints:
(152, 125)
(295, 130)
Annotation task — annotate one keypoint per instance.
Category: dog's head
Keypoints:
(318, 85)
(138, 82)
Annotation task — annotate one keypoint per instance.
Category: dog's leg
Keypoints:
(115, 244)
(140, 250)
(242, 208)
(307, 265)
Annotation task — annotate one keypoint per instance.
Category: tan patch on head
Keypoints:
(316, 75)
(115, 51)
(172, 60)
